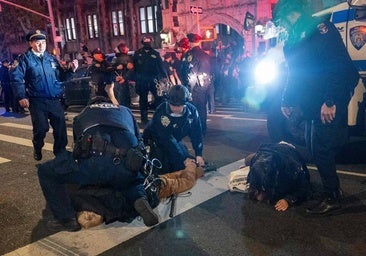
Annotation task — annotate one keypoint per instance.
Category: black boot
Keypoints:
(331, 204)
(142, 206)
(37, 154)
(70, 225)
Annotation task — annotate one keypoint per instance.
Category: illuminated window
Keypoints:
(117, 23)
(148, 21)
(70, 29)
(93, 26)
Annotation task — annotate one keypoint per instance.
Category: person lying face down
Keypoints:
(98, 205)
(278, 175)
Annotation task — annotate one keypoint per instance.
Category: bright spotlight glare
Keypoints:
(265, 72)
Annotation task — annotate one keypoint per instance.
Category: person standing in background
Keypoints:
(5, 85)
(101, 75)
(148, 67)
(36, 85)
(197, 76)
(122, 65)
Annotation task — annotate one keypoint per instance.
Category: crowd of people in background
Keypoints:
(120, 77)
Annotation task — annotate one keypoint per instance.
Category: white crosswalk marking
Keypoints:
(28, 127)
(23, 142)
(4, 160)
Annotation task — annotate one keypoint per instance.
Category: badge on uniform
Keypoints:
(323, 29)
(358, 36)
(165, 121)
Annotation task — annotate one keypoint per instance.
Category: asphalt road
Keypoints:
(227, 224)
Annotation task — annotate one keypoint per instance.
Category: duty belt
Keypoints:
(101, 147)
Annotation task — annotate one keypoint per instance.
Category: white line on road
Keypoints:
(28, 127)
(342, 172)
(95, 241)
(23, 142)
(4, 160)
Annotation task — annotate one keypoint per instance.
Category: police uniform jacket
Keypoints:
(36, 77)
(106, 115)
(148, 64)
(101, 75)
(319, 67)
(196, 62)
(163, 126)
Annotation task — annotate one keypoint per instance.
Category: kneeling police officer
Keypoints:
(107, 153)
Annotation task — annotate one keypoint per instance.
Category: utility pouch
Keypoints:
(83, 147)
(99, 145)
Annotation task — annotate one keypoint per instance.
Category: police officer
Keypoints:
(320, 77)
(172, 121)
(197, 75)
(106, 153)
(122, 65)
(36, 85)
(101, 74)
(5, 86)
(148, 66)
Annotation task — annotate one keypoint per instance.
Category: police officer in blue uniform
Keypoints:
(197, 76)
(172, 121)
(321, 77)
(148, 66)
(36, 85)
(107, 153)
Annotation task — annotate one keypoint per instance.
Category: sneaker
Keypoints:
(326, 206)
(142, 206)
(37, 155)
(70, 225)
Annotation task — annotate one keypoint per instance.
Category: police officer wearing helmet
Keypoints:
(197, 76)
(173, 120)
(148, 66)
(36, 84)
(107, 153)
(101, 75)
(321, 77)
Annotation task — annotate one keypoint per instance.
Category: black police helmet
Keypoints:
(147, 39)
(98, 100)
(285, 7)
(178, 95)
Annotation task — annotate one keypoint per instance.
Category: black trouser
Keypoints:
(42, 110)
(199, 100)
(324, 141)
(9, 101)
(122, 92)
(143, 86)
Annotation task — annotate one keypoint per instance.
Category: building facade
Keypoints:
(105, 23)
